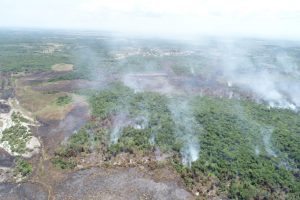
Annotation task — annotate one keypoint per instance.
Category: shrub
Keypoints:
(23, 167)
(63, 100)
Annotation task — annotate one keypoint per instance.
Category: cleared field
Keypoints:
(62, 67)
(40, 104)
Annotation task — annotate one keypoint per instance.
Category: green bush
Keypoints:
(63, 100)
(17, 137)
(64, 163)
(231, 131)
(23, 167)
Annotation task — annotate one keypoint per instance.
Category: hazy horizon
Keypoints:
(191, 18)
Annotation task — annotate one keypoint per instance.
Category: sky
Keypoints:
(255, 18)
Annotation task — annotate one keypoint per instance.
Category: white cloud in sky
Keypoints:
(273, 18)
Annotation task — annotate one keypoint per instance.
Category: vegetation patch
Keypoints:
(64, 163)
(23, 167)
(18, 118)
(233, 131)
(79, 143)
(147, 116)
(16, 136)
(27, 53)
(247, 151)
(63, 100)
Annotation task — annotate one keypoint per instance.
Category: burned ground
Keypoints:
(120, 183)
(99, 183)
(6, 89)
(6, 160)
(53, 132)
(4, 108)
(12, 191)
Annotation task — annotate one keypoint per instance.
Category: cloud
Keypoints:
(268, 18)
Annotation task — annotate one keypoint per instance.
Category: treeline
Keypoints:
(235, 159)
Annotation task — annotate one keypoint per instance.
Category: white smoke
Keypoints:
(140, 122)
(267, 135)
(256, 150)
(287, 64)
(187, 129)
(276, 82)
(119, 123)
(190, 152)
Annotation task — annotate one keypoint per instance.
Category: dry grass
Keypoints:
(40, 104)
(62, 67)
(52, 112)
